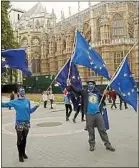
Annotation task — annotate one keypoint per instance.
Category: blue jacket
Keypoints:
(84, 97)
(22, 108)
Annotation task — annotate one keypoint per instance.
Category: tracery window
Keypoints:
(35, 66)
(117, 27)
(118, 57)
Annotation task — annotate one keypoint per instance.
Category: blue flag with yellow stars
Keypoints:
(124, 84)
(85, 55)
(73, 75)
(15, 59)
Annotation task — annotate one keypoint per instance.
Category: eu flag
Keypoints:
(73, 75)
(15, 59)
(85, 55)
(105, 117)
(124, 84)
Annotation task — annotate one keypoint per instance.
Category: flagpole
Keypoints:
(55, 78)
(63, 67)
(116, 72)
(73, 54)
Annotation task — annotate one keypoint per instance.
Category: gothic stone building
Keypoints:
(110, 27)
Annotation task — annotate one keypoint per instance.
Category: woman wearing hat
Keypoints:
(23, 110)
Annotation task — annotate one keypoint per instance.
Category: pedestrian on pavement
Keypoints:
(67, 101)
(90, 106)
(12, 96)
(109, 96)
(51, 97)
(113, 97)
(23, 110)
(78, 102)
(121, 102)
(45, 98)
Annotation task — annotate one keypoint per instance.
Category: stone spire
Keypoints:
(89, 4)
(69, 11)
(78, 6)
(53, 11)
(62, 15)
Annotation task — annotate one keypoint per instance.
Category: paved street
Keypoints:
(66, 145)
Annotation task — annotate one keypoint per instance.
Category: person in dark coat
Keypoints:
(121, 102)
(78, 102)
(12, 96)
(90, 106)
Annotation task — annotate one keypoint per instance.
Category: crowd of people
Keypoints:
(86, 101)
(111, 96)
(48, 96)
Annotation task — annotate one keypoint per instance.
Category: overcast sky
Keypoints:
(57, 6)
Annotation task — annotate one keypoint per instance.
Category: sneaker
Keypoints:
(92, 148)
(82, 120)
(110, 148)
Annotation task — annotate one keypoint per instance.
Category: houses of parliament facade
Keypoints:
(110, 27)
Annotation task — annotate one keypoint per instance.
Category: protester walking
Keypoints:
(45, 98)
(67, 101)
(78, 102)
(121, 102)
(90, 106)
(51, 97)
(23, 110)
(113, 97)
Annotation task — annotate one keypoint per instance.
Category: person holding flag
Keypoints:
(23, 110)
(90, 106)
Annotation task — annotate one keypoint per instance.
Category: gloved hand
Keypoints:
(38, 105)
(68, 82)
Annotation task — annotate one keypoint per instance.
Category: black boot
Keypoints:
(23, 151)
(74, 120)
(20, 153)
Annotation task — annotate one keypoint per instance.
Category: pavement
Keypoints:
(65, 144)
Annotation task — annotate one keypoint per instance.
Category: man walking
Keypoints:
(113, 96)
(68, 106)
(45, 98)
(78, 102)
(121, 102)
(90, 106)
(51, 97)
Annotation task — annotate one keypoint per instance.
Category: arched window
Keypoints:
(117, 26)
(35, 66)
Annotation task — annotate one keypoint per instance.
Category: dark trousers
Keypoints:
(45, 103)
(93, 121)
(77, 112)
(51, 101)
(113, 103)
(68, 110)
(121, 101)
(21, 141)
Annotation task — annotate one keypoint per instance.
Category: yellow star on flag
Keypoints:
(3, 59)
(6, 66)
